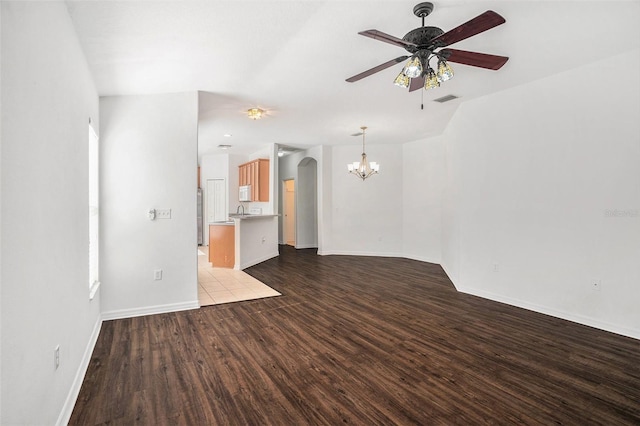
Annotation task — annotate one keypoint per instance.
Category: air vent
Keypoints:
(223, 146)
(445, 99)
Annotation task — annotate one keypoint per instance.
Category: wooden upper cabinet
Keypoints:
(256, 174)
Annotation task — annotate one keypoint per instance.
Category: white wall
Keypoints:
(256, 240)
(366, 216)
(47, 98)
(423, 182)
(547, 187)
(149, 160)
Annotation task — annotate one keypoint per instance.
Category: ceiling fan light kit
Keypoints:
(402, 80)
(425, 43)
(431, 80)
(413, 68)
(444, 71)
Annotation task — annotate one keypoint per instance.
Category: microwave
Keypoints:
(244, 193)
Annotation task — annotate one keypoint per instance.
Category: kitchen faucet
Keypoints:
(238, 209)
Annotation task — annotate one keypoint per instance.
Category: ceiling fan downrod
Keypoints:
(422, 10)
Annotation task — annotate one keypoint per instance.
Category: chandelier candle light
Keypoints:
(363, 169)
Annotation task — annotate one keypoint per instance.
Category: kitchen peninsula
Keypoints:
(245, 239)
(242, 184)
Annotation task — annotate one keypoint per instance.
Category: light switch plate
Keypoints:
(163, 214)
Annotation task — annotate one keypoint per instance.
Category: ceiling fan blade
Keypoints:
(374, 70)
(379, 35)
(474, 59)
(416, 83)
(480, 23)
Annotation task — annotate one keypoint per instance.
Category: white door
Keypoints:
(289, 212)
(216, 200)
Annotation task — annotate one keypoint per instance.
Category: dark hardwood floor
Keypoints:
(358, 340)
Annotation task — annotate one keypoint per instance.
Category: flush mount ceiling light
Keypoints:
(363, 169)
(255, 113)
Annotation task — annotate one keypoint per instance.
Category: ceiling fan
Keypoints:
(424, 43)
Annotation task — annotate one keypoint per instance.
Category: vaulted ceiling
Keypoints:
(292, 58)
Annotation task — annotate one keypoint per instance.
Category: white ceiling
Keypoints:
(292, 58)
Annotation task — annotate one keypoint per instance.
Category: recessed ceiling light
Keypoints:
(222, 146)
(227, 135)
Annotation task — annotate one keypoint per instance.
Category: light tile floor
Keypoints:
(222, 285)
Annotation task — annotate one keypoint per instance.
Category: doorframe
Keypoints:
(205, 201)
(285, 206)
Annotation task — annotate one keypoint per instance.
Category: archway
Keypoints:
(307, 204)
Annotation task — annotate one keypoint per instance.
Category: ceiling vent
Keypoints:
(446, 99)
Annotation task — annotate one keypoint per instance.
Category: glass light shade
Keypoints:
(444, 71)
(363, 169)
(413, 68)
(431, 80)
(255, 113)
(401, 80)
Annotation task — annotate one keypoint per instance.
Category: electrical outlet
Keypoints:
(163, 214)
(596, 285)
(496, 267)
(56, 357)
(157, 274)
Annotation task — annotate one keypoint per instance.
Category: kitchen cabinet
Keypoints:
(256, 174)
(222, 245)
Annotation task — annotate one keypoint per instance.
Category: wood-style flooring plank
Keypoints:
(363, 341)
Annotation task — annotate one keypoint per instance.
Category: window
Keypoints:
(94, 212)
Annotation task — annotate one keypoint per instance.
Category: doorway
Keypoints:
(216, 200)
(289, 207)
(216, 204)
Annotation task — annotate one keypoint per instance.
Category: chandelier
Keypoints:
(255, 113)
(363, 169)
(418, 67)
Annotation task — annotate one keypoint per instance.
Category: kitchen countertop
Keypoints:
(251, 216)
(232, 222)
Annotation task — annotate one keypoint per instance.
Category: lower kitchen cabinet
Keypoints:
(222, 245)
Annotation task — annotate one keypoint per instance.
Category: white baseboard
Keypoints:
(150, 310)
(252, 262)
(449, 275)
(358, 253)
(72, 396)
(306, 246)
(591, 322)
(422, 259)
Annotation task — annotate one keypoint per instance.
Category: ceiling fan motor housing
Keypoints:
(421, 38)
